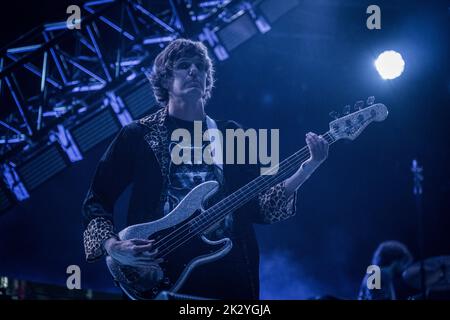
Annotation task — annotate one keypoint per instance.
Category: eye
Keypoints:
(183, 65)
(200, 66)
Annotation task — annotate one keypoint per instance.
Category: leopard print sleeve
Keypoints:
(98, 231)
(275, 205)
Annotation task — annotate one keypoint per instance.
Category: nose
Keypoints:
(193, 70)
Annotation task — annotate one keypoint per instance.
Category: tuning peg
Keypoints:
(370, 100)
(346, 109)
(359, 105)
(334, 114)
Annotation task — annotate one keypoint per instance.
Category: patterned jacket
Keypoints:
(139, 156)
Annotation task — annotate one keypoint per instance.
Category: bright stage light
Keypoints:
(390, 64)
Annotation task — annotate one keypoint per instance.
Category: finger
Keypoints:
(145, 260)
(312, 146)
(321, 144)
(152, 260)
(143, 264)
(151, 254)
(149, 262)
(143, 248)
(325, 145)
(309, 138)
(318, 149)
(314, 138)
(315, 142)
(141, 241)
(323, 141)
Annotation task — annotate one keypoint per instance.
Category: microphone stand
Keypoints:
(417, 191)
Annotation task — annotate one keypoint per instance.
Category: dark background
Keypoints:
(317, 58)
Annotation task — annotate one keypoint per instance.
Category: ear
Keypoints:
(167, 81)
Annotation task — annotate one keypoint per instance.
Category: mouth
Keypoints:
(194, 84)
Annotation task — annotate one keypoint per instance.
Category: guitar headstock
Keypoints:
(351, 125)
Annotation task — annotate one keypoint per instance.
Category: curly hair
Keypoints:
(164, 62)
(392, 251)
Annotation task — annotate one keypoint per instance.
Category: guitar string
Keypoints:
(194, 232)
(214, 219)
(219, 203)
(263, 184)
(326, 135)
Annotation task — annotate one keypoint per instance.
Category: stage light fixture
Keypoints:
(97, 128)
(390, 64)
(40, 167)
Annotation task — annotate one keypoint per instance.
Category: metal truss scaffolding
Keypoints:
(65, 88)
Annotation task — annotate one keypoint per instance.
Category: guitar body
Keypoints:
(171, 274)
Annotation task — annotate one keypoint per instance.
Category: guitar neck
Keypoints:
(249, 191)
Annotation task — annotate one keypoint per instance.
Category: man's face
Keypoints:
(188, 78)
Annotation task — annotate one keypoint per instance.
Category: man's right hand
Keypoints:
(134, 252)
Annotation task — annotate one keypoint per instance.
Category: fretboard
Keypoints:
(249, 191)
(231, 203)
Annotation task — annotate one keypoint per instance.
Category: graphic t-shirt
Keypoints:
(182, 178)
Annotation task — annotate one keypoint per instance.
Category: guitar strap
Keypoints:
(216, 147)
